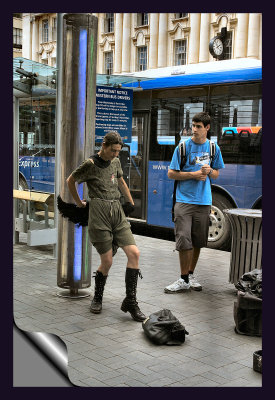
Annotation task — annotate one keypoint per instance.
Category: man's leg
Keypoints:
(194, 260)
(194, 284)
(186, 259)
(183, 227)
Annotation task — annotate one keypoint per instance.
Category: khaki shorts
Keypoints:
(191, 225)
(107, 225)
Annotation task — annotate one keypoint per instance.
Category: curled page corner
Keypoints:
(52, 347)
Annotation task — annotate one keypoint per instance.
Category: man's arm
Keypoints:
(183, 175)
(212, 173)
(125, 190)
(72, 188)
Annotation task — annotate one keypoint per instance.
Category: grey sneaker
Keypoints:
(177, 287)
(194, 284)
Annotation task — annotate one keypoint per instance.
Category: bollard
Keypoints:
(76, 142)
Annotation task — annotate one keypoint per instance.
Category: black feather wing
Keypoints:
(77, 215)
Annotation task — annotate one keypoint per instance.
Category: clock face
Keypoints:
(218, 46)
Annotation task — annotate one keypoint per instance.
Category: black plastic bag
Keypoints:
(162, 327)
(251, 282)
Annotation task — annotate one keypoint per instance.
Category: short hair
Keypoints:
(112, 137)
(203, 117)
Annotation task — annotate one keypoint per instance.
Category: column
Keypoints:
(126, 42)
(204, 37)
(118, 42)
(35, 42)
(153, 46)
(241, 37)
(194, 38)
(162, 40)
(26, 38)
(253, 35)
(77, 135)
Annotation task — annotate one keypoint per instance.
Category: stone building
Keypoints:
(132, 42)
(17, 35)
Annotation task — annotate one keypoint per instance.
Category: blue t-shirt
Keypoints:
(193, 191)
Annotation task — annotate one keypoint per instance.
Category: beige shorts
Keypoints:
(108, 225)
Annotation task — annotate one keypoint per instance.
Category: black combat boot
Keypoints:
(130, 303)
(96, 304)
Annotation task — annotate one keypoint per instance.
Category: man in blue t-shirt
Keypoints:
(193, 200)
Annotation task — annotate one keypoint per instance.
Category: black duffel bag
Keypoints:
(162, 327)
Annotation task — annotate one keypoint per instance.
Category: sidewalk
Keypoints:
(110, 349)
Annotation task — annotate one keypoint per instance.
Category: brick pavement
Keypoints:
(110, 349)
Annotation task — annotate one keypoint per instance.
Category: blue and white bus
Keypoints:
(163, 107)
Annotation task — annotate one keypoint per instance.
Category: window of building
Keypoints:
(108, 63)
(45, 31)
(109, 22)
(142, 19)
(54, 29)
(17, 38)
(17, 15)
(141, 58)
(180, 15)
(180, 52)
(228, 46)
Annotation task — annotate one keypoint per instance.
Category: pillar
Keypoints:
(26, 38)
(35, 42)
(153, 45)
(241, 35)
(77, 132)
(204, 37)
(118, 42)
(253, 35)
(126, 42)
(194, 38)
(162, 40)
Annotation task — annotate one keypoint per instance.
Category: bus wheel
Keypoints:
(22, 184)
(219, 236)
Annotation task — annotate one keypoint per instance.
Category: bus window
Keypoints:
(235, 111)
(171, 119)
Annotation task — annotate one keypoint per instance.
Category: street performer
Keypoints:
(107, 221)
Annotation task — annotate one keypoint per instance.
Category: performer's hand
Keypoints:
(83, 204)
(128, 208)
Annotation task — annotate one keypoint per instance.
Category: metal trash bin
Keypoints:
(246, 248)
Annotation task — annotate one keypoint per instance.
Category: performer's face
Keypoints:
(110, 152)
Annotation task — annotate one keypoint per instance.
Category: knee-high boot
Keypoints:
(130, 302)
(96, 304)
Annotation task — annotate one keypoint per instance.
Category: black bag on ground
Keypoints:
(248, 314)
(248, 307)
(251, 282)
(162, 327)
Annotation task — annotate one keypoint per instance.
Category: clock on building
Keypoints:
(216, 47)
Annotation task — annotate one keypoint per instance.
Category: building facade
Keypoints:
(17, 35)
(132, 42)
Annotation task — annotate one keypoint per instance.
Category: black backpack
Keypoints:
(183, 158)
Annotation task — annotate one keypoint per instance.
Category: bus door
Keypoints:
(137, 167)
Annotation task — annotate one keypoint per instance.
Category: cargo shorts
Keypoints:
(191, 225)
(108, 225)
